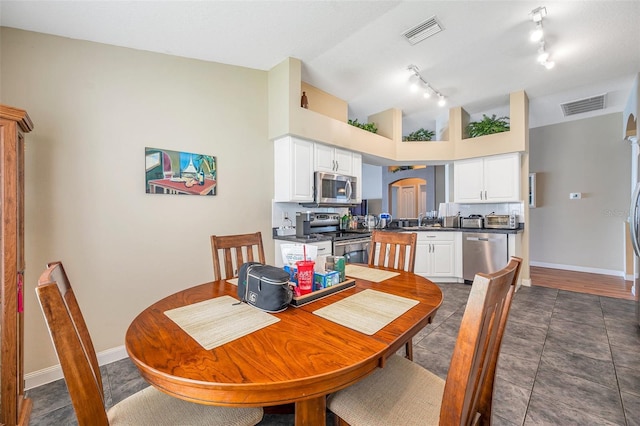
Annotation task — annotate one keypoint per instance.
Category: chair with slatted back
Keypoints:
(236, 250)
(395, 250)
(81, 371)
(403, 392)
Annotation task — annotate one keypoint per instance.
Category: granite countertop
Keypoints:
(520, 229)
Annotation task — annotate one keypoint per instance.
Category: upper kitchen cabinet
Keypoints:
(333, 160)
(293, 170)
(487, 180)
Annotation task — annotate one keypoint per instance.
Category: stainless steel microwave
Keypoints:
(334, 189)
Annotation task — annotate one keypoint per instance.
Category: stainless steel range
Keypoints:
(353, 244)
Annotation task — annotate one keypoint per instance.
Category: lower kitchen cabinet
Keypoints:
(439, 255)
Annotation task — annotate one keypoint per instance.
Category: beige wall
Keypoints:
(95, 108)
(587, 156)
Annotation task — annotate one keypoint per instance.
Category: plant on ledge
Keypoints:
(420, 135)
(487, 126)
(369, 127)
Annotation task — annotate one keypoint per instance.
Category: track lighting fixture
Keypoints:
(537, 35)
(417, 83)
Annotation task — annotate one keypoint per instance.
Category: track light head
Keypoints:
(538, 13)
(537, 34)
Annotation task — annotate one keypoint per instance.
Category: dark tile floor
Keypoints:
(567, 359)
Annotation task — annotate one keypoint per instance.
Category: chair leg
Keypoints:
(409, 350)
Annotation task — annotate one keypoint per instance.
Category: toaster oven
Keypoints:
(501, 221)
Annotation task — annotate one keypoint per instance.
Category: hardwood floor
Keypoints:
(582, 282)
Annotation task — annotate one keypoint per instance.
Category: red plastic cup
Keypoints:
(305, 276)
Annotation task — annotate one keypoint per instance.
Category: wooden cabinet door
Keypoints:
(15, 408)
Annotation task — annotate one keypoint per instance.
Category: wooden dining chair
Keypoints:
(396, 250)
(236, 250)
(405, 393)
(81, 371)
(390, 249)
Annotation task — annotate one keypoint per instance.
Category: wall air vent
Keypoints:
(580, 106)
(423, 30)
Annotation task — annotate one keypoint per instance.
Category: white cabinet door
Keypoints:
(442, 259)
(487, 180)
(423, 254)
(333, 160)
(324, 158)
(502, 178)
(467, 181)
(293, 170)
(343, 161)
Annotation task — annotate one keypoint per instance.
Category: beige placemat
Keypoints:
(214, 322)
(367, 311)
(369, 274)
(233, 281)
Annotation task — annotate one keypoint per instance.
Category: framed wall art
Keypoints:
(177, 172)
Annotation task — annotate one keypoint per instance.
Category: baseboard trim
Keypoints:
(51, 374)
(612, 272)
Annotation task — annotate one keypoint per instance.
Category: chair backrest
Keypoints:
(236, 250)
(469, 386)
(392, 250)
(73, 345)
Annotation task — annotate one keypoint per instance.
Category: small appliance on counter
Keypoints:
(474, 221)
(384, 221)
(501, 221)
(451, 221)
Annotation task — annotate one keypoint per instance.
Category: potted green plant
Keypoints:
(487, 126)
(369, 127)
(420, 135)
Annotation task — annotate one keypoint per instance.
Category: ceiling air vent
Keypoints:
(423, 30)
(594, 103)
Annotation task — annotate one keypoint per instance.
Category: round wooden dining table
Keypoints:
(299, 359)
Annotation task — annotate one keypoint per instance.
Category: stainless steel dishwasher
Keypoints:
(483, 252)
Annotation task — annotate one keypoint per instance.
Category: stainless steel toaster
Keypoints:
(474, 221)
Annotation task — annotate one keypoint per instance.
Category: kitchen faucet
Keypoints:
(420, 219)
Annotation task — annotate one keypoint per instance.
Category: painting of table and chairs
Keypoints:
(177, 172)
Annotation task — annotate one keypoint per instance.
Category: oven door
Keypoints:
(354, 251)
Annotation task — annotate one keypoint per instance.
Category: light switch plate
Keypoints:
(575, 195)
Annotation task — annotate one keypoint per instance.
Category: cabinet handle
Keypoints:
(322, 249)
(485, 194)
(481, 195)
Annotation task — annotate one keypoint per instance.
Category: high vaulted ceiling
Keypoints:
(355, 50)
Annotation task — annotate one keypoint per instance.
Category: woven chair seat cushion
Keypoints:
(401, 393)
(152, 407)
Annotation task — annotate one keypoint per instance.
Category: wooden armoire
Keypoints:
(14, 407)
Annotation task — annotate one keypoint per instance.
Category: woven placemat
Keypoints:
(369, 274)
(368, 311)
(214, 322)
(233, 281)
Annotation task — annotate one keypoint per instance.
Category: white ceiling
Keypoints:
(355, 49)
